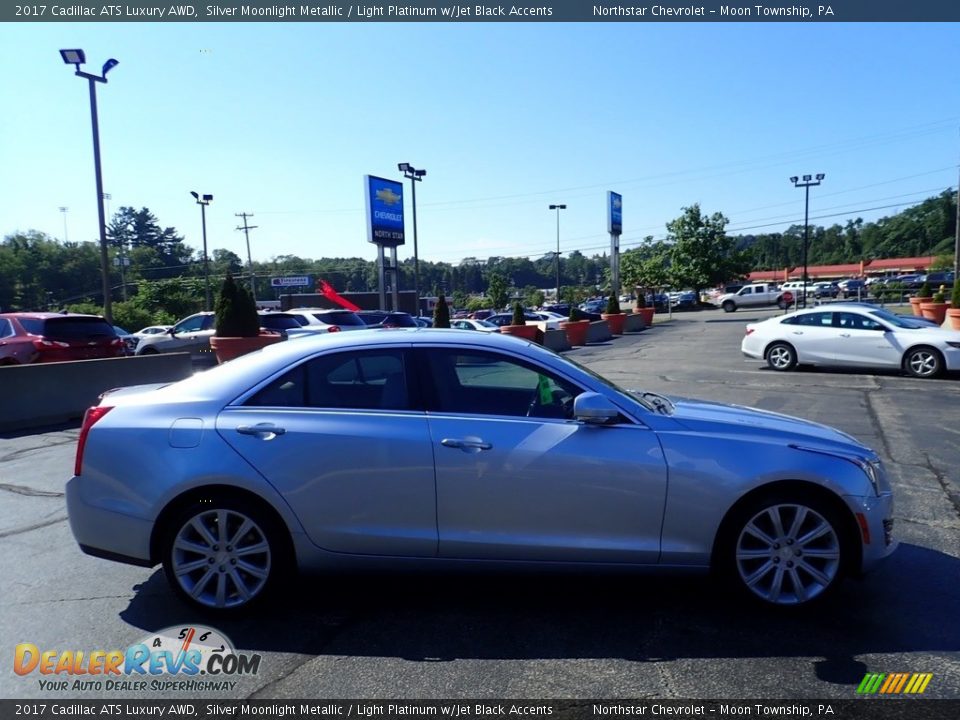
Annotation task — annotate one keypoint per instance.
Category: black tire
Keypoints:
(149, 351)
(729, 306)
(923, 362)
(782, 304)
(781, 357)
(228, 578)
(778, 567)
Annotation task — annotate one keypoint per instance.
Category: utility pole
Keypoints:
(956, 241)
(246, 231)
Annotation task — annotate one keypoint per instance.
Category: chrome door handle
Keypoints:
(798, 332)
(261, 429)
(844, 334)
(466, 444)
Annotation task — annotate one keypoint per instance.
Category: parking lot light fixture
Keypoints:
(414, 176)
(77, 57)
(203, 201)
(558, 208)
(807, 183)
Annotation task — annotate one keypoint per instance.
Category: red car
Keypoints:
(28, 337)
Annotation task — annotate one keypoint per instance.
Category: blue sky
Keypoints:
(284, 119)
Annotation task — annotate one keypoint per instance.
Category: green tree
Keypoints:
(497, 290)
(702, 254)
(533, 297)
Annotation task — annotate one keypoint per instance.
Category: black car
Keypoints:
(940, 277)
(384, 319)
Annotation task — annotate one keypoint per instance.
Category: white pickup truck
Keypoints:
(755, 295)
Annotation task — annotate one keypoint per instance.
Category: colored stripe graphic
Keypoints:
(894, 683)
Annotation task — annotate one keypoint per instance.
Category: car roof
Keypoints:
(46, 315)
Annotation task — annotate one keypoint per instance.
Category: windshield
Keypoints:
(897, 320)
(631, 396)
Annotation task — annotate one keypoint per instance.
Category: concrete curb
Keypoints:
(46, 393)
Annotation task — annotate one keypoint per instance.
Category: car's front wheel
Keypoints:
(923, 362)
(781, 356)
(787, 551)
(729, 306)
(222, 553)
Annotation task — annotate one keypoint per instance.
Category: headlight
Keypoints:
(873, 469)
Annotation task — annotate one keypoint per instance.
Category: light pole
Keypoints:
(203, 201)
(77, 58)
(246, 231)
(558, 208)
(807, 183)
(64, 211)
(414, 176)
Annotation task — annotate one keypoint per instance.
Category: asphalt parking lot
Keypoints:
(567, 636)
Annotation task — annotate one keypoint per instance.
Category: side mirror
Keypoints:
(172, 331)
(593, 408)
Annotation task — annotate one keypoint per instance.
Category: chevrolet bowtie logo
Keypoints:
(388, 196)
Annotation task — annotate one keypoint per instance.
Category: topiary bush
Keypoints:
(924, 291)
(641, 300)
(518, 318)
(939, 297)
(613, 305)
(955, 296)
(441, 313)
(575, 314)
(236, 311)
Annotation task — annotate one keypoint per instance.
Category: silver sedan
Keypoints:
(438, 447)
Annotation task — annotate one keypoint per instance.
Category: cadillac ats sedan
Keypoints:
(437, 448)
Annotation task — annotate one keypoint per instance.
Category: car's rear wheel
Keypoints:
(222, 553)
(787, 551)
(729, 306)
(149, 351)
(781, 356)
(923, 362)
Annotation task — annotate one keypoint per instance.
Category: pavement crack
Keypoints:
(941, 476)
(36, 526)
(31, 492)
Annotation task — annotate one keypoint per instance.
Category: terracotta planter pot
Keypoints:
(527, 332)
(647, 313)
(954, 315)
(615, 322)
(934, 311)
(576, 331)
(228, 348)
(915, 305)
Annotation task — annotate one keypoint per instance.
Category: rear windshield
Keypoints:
(339, 318)
(400, 320)
(279, 322)
(68, 328)
(372, 318)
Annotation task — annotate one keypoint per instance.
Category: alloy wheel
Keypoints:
(923, 363)
(788, 554)
(221, 558)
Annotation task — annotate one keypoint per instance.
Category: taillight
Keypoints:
(90, 418)
(750, 330)
(49, 344)
(333, 328)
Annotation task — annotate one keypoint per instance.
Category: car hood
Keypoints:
(717, 418)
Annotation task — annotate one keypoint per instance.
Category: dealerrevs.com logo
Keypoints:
(180, 658)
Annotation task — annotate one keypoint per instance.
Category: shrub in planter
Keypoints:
(935, 309)
(953, 312)
(923, 295)
(576, 327)
(613, 316)
(441, 313)
(237, 323)
(518, 325)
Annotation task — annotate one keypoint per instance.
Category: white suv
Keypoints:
(315, 320)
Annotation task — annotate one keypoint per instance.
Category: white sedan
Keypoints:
(467, 324)
(852, 336)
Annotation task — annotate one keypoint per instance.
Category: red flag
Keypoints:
(330, 294)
